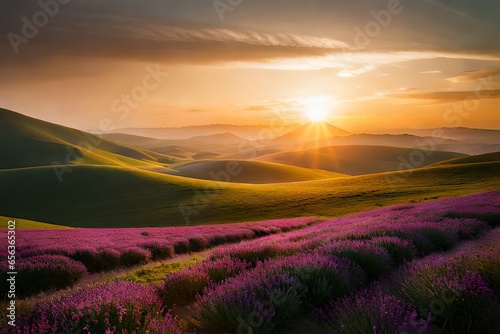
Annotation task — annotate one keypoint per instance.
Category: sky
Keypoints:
(364, 65)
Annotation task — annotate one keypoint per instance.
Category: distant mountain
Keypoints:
(132, 140)
(407, 141)
(358, 160)
(191, 148)
(222, 139)
(469, 135)
(400, 140)
(243, 131)
(310, 132)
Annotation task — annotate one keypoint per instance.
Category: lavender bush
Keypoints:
(44, 273)
(371, 311)
(121, 307)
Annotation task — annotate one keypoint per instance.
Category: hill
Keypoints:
(255, 172)
(29, 142)
(366, 139)
(222, 139)
(133, 198)
(22, 224)
(469, 135)
(489, 157)
(187, 149)
(357, 160)
(186, 132)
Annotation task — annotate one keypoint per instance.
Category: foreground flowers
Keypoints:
(121, 307)
(383, 271)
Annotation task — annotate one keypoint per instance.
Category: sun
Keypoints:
(317, 108)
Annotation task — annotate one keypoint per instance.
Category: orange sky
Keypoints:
(423, 64)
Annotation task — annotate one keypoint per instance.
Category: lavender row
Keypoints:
(173, 239)
(262, 285)
(303, 262)
(121, 307)
(78, 251)
(457, 292)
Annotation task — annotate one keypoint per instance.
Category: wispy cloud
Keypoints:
(431, 72)
(449, 96)
(353, 73)
(440, 4)
(476, 75)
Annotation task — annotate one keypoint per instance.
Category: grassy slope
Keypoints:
(355, 160)
(256, 172)
(48, 143)
(24, 224)
(488, 157)
(98, 196)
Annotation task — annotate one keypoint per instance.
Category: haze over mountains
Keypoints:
(313, 145)
(130, 180)
(314, 135)
(244, 131)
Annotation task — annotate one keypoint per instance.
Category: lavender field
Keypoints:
(421, 268)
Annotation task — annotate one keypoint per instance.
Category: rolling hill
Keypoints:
(366, 139)
(116, 185)
(29, 142)
(186, 149)
(186, 132)
(357, 160)
(105, 196)
(255, 172)
(23, 224)
(469, 135)
(489, 157)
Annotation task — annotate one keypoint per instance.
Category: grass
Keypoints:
(24, 224)
(48, 143)
(110, 186)
(255, 172)
(147, 198)
(355, 159)
(156, 273)
(488, 157)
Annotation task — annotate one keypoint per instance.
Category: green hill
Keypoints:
(30, 225)
(357, 160)
(29, 142)
(104, 196)
(255, 172)
(114, 185)
(488, 157)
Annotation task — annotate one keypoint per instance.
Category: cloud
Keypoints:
(194, 110)
(431, 72)
(257, 108)
(85, 33)
(440, 4)
(150, 39)
(353, 73)
(475, 75)
(450, 96)
(403, 91)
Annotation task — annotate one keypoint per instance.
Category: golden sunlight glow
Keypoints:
(317, 108)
